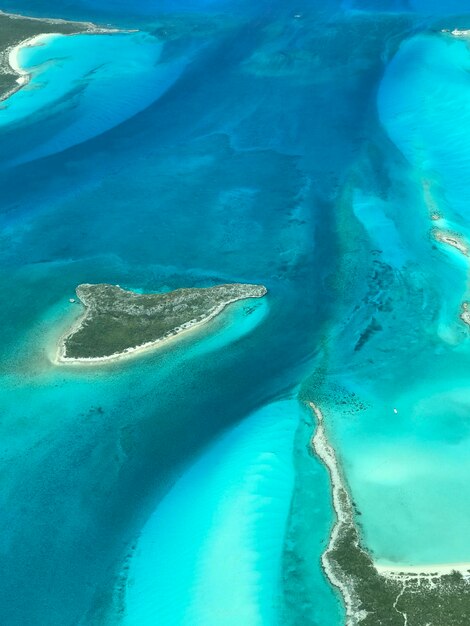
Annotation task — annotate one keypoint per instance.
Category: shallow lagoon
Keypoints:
(404, 438)
(128, 211)
(261, 181)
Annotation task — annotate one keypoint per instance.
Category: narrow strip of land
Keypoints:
(434, 595)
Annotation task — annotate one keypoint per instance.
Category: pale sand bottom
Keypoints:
(344, 518)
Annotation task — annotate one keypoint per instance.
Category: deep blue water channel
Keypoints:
(215, 144)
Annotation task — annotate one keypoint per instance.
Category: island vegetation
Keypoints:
(374, 596)
(18, 29)
(117, 322)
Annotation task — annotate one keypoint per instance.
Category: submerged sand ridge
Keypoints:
(117, 323)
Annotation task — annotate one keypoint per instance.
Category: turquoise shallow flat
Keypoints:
(319, 149)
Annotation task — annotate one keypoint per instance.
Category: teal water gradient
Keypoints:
(77, 90)
(163, 200)
(225, 142)
(239, 495)
(403, 437)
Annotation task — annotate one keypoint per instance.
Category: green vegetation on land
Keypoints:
(116, 320)
(401, 599)
(14, 29)
(423, 600)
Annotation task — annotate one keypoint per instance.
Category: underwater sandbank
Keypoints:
(211, 551)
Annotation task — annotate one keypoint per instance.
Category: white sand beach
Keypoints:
(61, 358)
(439, 569)
(344, 517)
(451, 239)
(14, 53)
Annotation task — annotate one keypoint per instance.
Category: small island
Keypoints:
(117, 322)
(465, 313)
(451, 239)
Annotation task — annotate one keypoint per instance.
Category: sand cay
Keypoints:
(465, 313)
(118, 323)
(451, 239)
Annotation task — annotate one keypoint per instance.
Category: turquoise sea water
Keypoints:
(76, 80)
(230, 142)
(415, 462)
(238, 494)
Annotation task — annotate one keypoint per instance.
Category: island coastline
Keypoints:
(452, 239)
(440, 569)
(9, 56)
(132, 351)
(13, 60)
(344, 517)
(374, 593)
(465, 313)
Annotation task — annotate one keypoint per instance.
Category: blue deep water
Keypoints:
(222, 141)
